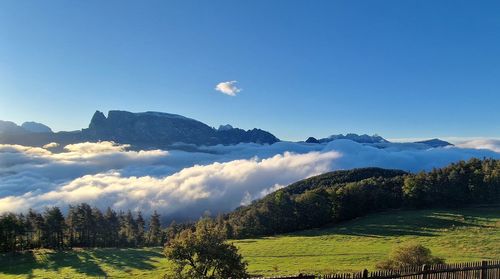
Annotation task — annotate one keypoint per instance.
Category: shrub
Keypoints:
(409, 254)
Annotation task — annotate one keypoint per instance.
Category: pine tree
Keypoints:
(154, 231)
(129, 229)
(34, 228)
(141, 228)
(112, 237)
(101, 229)
(54, 227)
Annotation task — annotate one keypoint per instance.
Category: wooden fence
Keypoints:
(473, 270)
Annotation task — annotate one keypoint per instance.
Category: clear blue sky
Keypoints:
(418, 68)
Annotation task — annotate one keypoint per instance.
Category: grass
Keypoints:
(455, 235)
(86, 263)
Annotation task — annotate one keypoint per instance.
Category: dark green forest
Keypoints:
(311, 203)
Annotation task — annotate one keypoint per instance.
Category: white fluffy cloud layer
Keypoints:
(228, 88)
(185, 184)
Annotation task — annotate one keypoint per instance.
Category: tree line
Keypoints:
(83, 226)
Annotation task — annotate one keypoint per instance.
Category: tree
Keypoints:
(128, 229)
(10, 229)
(100, 231)
(81, 224)
(54, 227)
(141, 228)
(113, 227)
(409, 254)
(153, 237)
(205, 254)
(314, 208)
(172, 230)
(35, 226)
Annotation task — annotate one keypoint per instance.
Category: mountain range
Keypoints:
(148, 130)
(140, 130)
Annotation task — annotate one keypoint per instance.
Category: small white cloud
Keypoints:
(228, 88)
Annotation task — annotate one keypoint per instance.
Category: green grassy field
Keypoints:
(455, 235)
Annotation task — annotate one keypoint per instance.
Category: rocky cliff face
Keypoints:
(141, 130)
(159, 129)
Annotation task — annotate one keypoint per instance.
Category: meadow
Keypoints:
(455, 235)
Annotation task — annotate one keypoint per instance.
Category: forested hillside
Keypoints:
(344, 195)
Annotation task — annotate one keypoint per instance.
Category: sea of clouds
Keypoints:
(180, 184)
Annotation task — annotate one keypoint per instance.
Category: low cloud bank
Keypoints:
(181, 184)
(488, 144)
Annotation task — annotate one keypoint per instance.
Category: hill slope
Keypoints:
(344, 195)
(318, 201)
(457, 235)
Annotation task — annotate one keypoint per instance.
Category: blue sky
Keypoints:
(307, 68)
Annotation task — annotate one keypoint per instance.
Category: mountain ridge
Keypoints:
(153, 129)
(141, 130)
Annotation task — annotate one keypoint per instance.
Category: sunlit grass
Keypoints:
(456, 235)
(86, 263)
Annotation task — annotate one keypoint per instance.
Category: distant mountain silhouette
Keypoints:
(34, 127)
(357, 138)
(312, 140)
(380, 142)
(141, 130)
(435, 143)
(11, 128)
(147, 130)
(354, 137)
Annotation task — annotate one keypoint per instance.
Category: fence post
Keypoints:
(365, 273)
(425, 268)
(484, 270)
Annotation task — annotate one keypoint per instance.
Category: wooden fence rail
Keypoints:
(472, 270)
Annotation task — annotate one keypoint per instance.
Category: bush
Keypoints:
(409, 254)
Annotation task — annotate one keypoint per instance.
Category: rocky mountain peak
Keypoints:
(98, 120)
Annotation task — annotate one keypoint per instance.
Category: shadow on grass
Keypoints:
(25, 263)
(408, 223)
(84, 261)
(18, 264)
(127, 258)
(249, 240)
